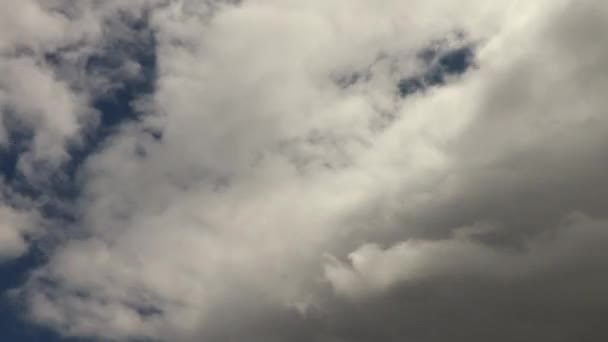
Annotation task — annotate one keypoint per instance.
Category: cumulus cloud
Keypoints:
(314, 170)
(15, 225)
(47, 89)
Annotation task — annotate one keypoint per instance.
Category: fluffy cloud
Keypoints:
(47, 86)
(280, 186)
(15, 225)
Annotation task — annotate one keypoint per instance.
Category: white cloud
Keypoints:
(266, 164)
(14, 226)
(44, 109)
(52, 101)
(35, 98)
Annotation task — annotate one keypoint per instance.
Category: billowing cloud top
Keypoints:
(321, 170)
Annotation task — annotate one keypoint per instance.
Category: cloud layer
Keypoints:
(308, 170)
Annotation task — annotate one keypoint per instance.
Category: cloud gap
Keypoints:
(440, 63)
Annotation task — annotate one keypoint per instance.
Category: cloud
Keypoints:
(462, 288)
(14, 228)
(578, 240)
(277, 179)
(46, 94)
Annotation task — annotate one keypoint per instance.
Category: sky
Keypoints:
(314, 171)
